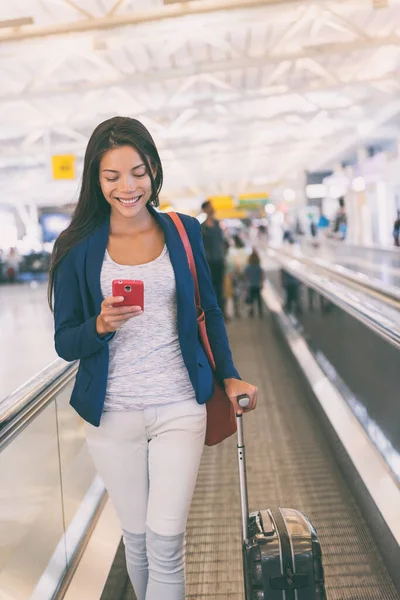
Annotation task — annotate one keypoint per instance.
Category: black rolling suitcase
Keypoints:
(281, 553)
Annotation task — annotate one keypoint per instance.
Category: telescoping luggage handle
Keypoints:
(243, 401)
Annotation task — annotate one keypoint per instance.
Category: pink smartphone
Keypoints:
(131, 290)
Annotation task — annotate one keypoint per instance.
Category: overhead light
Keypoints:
(289, 195)
(270, 209)
(16, 22)
(314, 191)
(358, 184)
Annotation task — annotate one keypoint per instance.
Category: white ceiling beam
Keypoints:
(92, 98)
(115, 8)
(209, 148)
(180, 9)
(305, 14)
(343, 23)
(179, 120)
(48, 68)
(313, 66)
(359, 135)
(79, 9)
(148, 76)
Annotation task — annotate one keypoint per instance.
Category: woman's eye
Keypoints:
(140, 174)
(115, 179)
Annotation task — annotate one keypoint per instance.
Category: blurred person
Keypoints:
(313, 227)
(215, 248)
(254, 276)
(262, 237)
(323, 221)
(143, 377)
(2, 266)
(287, 231)
(291, 287)
(12, 264)
(236, 263)
(396, 230)
(340, 224)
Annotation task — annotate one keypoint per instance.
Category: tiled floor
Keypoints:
(26, 334)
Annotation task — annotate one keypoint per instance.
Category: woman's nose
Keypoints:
(126, 183)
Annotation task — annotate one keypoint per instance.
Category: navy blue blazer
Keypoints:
(77, 303)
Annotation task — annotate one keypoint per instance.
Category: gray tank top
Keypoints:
(146, 366)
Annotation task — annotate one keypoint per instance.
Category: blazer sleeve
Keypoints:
(216, 330)
(74, 337)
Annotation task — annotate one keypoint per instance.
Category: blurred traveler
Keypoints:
(254, 276)
(236, 264)
(313, 227)
(13, 261)
(263, 237)
(291, 287)
(2, 266)
(396, 230)
(143, 377)
(215, 248)
(340, 224)
(298, 227)
(288, 231)
(323, 222)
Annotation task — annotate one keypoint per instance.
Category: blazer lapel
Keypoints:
(97, 244)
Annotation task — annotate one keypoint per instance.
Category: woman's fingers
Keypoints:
(123, 317)
(252, 400)
(123, 310)
(113, 316)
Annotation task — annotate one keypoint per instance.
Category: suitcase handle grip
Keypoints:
(243, 400)
(244, 503)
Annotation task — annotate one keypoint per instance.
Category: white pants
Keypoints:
(149, 461)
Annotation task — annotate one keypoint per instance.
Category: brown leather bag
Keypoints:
(221, 420)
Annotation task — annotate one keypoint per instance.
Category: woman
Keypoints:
(143, 377)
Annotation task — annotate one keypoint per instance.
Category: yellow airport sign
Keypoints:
(63, 166)
(233, 213)
(254, 200)
(222, 202)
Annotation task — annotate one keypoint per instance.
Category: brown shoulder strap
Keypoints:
(189, 252)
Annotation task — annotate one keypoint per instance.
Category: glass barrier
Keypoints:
(49, 495)
(361, 364)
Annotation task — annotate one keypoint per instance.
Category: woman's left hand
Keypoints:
(235, 388)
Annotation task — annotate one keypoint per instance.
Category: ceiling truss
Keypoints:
(278, 88)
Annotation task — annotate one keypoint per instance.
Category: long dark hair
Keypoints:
(92, 208)
(254, 258)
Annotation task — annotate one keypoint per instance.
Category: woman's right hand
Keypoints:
(112, 317)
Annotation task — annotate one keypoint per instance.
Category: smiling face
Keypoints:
(124, 181)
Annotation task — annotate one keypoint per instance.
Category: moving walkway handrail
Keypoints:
(376, 247)
(381, 318)
(385, 290)
(20, 407)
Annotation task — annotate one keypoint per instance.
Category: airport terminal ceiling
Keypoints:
(239, 95)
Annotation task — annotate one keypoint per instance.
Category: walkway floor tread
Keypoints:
(289, 463)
